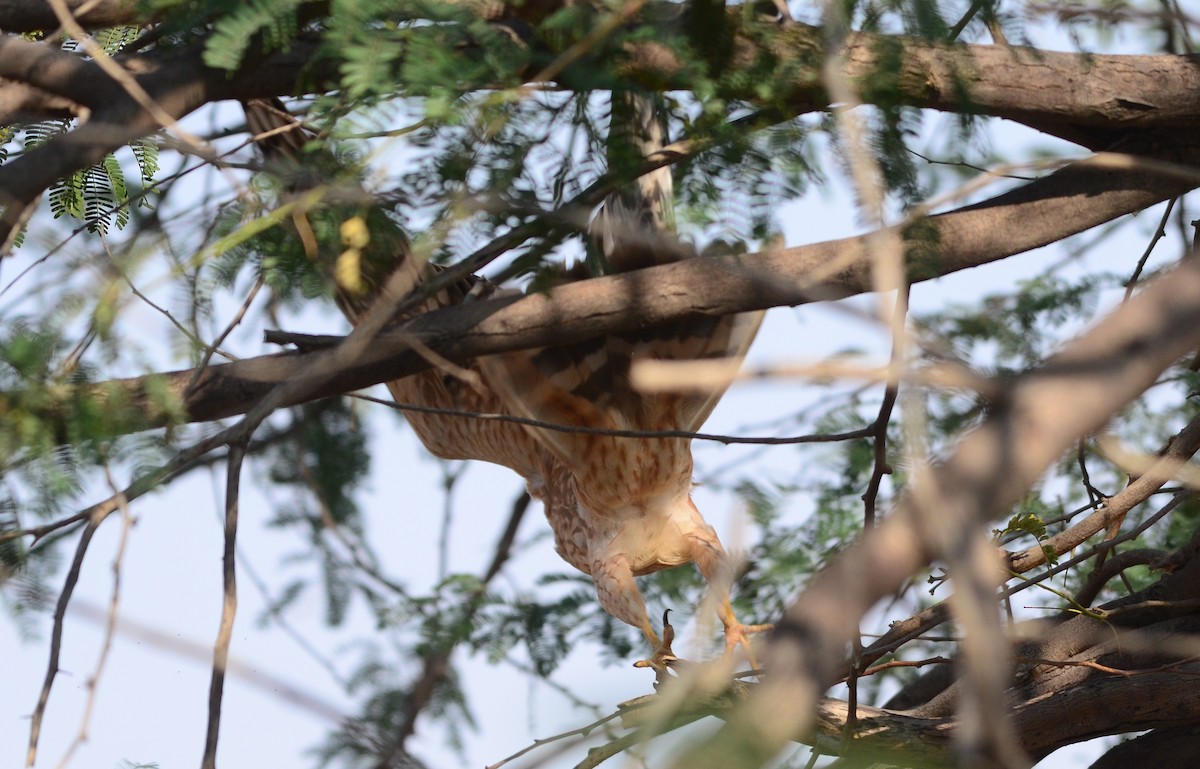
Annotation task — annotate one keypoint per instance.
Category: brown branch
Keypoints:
(906, 664)
(1125, 92)
(1179, 450)
(1103, 699)
(60, 612)
(1066, 202)
(220, 665)
(33, 15)
(582, 731)
(176, 81)
(1114, 566)
(1167, 748)
(110, 623)
(879, 427)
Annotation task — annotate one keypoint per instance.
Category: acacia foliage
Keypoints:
(427, 127)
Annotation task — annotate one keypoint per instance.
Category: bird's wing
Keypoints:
(471, 432)
(586, 385)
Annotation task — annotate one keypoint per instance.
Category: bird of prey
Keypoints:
(619, 507)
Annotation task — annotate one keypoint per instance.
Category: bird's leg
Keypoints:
(714, 564)
(737, 634)
(620, 597)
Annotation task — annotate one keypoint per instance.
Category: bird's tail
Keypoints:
(628, 230)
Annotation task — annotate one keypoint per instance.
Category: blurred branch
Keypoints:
(60, 612)
(31, 15)
(1173, 456)
(1043, 413)
(1177, 451)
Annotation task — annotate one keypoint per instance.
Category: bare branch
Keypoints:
(237, 453)
(110, 624)
(1174, 455)
(60, 612)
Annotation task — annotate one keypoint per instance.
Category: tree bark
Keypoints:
(1044, 211)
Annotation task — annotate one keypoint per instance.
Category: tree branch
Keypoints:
(1068, 201)
(31, 15)
(1104, 699)
(1124, 93)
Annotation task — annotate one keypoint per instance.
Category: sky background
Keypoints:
(280, 702)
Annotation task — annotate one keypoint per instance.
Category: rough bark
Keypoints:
(1093, 100)
(1171, 748)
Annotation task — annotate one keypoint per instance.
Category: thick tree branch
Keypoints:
(1107, 94)
(177, 81)
(1172, 748)
(31, 15)
(1041, 89)
(1066, 202)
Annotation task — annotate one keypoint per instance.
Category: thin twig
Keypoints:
(366, 563)
(60, 612)
(144, 483)
(880, 426)
(1159, 234)
(216, 345)
(110, 624)
(277, 615)
(1095, 496)
(582, 731)
(237, 453)
(450, 475)
(907, 664)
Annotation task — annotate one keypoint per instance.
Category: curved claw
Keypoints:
(663, 657)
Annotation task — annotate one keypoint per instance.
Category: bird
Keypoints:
(619, 507)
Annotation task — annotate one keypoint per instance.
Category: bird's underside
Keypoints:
(618, 506)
